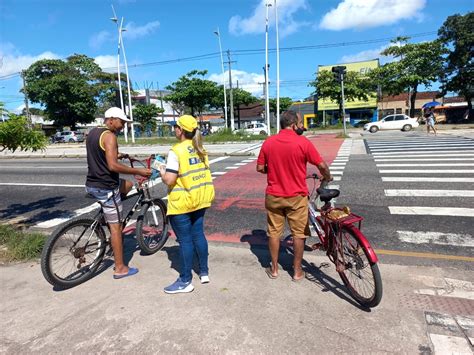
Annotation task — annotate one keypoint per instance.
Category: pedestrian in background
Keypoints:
(190, 193)
(430, 121)
(283, 157)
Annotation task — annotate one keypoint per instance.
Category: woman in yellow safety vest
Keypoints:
(190, 193)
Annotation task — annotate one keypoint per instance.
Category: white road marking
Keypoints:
(423, 159)
(432, 211)
(426, 179)
(447, 344)
(215, 160)
(231, 167)
(462, 240)
(248, 161)
(337, 167)
(38, 185)
(469, 152)
(336, 178)
(240, 164)
(422, 145)
(430, 193)
(337, 163)
(418, 164)
(413, 155)
(336, 172)
(219, 173)
(427, 171)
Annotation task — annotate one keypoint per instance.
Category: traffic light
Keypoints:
(339, 72)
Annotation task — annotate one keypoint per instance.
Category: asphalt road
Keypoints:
(36, 192)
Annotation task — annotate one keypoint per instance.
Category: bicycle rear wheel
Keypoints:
(360, 276)
(152, 227)
(73, 253)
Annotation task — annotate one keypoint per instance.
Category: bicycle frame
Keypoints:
(329, 230)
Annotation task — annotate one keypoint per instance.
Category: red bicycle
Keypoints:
(339, 232)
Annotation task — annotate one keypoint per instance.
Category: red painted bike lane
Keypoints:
(238, 213)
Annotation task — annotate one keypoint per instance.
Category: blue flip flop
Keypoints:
(131, 271)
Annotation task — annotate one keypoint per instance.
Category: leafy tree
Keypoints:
(108, 94)
(285, 103)
(15, 133)
(356, 87)
(33, 111)
(146, 114)
(239, 97)
(457, 36)
(416, 64)
(65, 88)
(191, 93)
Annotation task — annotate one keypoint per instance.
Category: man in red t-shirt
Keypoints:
(283, 158)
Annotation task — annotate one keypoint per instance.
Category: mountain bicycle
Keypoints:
(74, 251)
(345, 245)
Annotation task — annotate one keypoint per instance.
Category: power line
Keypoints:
(255, 52)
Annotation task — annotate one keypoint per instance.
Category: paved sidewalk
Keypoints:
(241, 311)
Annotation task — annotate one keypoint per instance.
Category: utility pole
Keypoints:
(25, 92)
(231, 92)
(238, 109)
(267, 66)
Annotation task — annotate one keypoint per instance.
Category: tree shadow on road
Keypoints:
(42, 209)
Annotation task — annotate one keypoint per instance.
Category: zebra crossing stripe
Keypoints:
(462, 240)
(432, 211)
(429, 193)
(413, 155)
(466, 152)
(434, 164)
(422, 159)
(425, 179)
(415, 171)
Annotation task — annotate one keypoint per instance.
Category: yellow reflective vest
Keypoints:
(194, 188)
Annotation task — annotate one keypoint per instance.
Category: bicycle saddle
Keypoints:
(327, 195)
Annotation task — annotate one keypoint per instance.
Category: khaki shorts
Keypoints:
(294, 209)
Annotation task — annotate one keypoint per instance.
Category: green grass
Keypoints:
(17, 245)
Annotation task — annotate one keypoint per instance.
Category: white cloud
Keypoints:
(18, 109)
(370, 13)
(255, 23)
(107, 62)
(247, 81)
(12, 61)
(98, 39)
(364, 55)
(133, 31)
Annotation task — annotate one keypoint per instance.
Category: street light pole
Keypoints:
(218, 34)
(278, 68)
(267, 101)
(119, 28)
(130, 110)
(343, 104)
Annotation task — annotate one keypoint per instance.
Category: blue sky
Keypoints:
(167, 30)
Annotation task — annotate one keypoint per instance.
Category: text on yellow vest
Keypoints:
(194, 188)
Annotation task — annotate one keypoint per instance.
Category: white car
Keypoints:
(399, 121)
(256, 128)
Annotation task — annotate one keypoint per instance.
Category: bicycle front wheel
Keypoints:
(360, 276)
(152, 227)
(73, 253)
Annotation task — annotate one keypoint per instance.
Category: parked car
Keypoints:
(256, 128)
(400, 121)
(68, 137)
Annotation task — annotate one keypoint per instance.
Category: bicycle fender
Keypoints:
(365, 244)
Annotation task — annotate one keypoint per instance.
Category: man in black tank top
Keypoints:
(103, 180)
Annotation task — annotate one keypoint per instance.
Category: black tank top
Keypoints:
(98, 173)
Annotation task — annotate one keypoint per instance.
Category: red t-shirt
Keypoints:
(285, 155)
